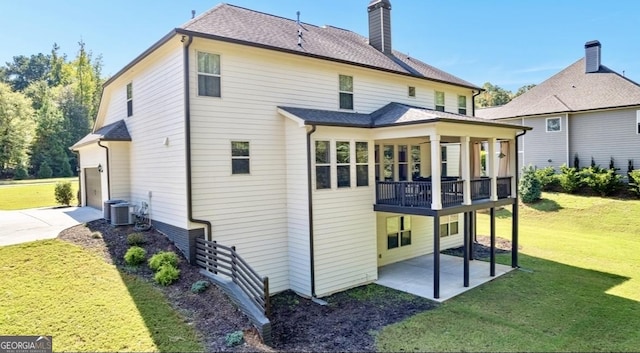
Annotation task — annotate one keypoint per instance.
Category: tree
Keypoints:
(522, 90)
(492, 96)
(25, 70)
(16, 128)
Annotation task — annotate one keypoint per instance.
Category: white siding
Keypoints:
(453, 159)
(90, 157)
(119, 169)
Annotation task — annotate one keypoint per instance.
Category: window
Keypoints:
(440, 101)
(388, 155)
(129, 99)
(239, 157)
(346, 92)
(449, 226)
(376, 158)
(415, 161)
(208, 75)
(362, 164)
(398, 231)
(412, 91)
(638, 122)
(443, 160)
(323, 166)
(462, 105)
(343, 164)
(403, 163)
(553, 124)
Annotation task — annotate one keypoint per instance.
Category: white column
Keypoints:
(465, 170)
(436, 194)
(492, 168)
(513, 166)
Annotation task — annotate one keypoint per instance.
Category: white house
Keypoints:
(318, 153)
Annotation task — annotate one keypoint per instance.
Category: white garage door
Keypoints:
(93, 188)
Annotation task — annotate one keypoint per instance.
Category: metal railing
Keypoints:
(220, 259)
(504, 187)
(404, 193)
(480, 189)
(452, 193)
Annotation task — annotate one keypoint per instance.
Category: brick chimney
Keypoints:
(380, 25)
(592, 56)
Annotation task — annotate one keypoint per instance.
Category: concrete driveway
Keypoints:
(41, 223)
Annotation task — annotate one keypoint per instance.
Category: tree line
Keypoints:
(494, 95)
(47, 103)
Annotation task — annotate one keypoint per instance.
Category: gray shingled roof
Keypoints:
(392, 114)
(237, 24)
(113, 132)
(570, 90)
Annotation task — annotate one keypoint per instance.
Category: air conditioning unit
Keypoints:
(121, 214)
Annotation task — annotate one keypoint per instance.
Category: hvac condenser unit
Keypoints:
(121, 214)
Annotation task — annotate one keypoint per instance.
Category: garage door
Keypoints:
(93, 187)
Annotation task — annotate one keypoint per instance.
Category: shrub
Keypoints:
(135, 256)
(166, 275)
(96, 235)
(547, 178)
(530, 188)
(136, 239)
(604, 182)
(569, 179)
(199, 287)
(44, 171)
(234, 338)
(634, 182)
(63, 193)
(20, 173)
(163, 258)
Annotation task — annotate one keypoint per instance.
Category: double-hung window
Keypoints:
(412, 92)
(388, 162)
(638, 122)
(362, 164)
(346, 92)
(398, 231)
(403, 163)
(462, 105)
(415, 161)
(240, 163)
(129, 99)
(209, 75)
(323, 165)
(449, 225)
(343, 165)
(439, 99)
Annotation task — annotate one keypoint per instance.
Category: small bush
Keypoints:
(547, 178)
(530, 188)
(234, 338)
(20, 173)
(63, 193)
(163, 258)
(136, 239)
(570, 179)
(44, 171)
(96, 235)
(604, 182)
(634, 182)
(135, 256)
(166, 275)
(199, 287)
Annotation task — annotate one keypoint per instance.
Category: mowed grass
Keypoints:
(33, 193)
(578, 289)
(56, 288)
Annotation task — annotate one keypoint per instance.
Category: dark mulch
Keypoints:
(482, 248)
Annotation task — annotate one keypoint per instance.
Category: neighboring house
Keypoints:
(586, 110)
(315, 151)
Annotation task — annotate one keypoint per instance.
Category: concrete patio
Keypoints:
(415, 276)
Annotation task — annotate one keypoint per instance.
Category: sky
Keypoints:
(510, 43)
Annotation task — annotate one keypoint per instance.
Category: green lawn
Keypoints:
(578, 290)
(55, 288)
(23, 194)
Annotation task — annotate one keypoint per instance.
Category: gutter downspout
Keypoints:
(514, 215)
(309, 197)
(473, 101)
(107, 168)
(187, 134)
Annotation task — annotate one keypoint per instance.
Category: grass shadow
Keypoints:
(546, 205)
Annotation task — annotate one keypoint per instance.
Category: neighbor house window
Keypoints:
(449, 225)
(638, 122)
(362, 164)
(403, 163)
(323, 165)
(346, 92)
(440, 101)
(553, 124)
(129, 99)
(343, 165)
(208, 75)
(415, 161)
(412, 91)
(398, 231)
(387, 165)
(240, 157)
(462, 105)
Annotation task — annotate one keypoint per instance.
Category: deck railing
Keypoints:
(220, 259)
(405, 193)
(452, 193)
(504, 187)
(480, 189)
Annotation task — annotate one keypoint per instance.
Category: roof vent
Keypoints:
(592, 56)
(380, 25)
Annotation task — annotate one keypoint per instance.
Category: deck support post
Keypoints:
(514, 234)
(467, 237)
(472, 232)
(492, 268)
(436, 257)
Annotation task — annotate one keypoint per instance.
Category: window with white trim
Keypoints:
(462, 105)
(449, 225)
(376, 157)
(403, 163)
(346, 92)
(553, 124)
(412, 92)
(387, 165)
(209, 75)
(415, 161)
(638, 122)
(439, 100)
(240, 161)
(129, 99)
(398, 231)
(443, 160)
(343, 164)
(362, 164)
(323, 165)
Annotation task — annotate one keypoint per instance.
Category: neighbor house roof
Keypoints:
(113, 132)
(392, 114)
(239, 25)
(571, 90)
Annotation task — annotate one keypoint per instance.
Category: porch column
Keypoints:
(465, 169)
(492, 268)
(467, 233)
(492, 167)
(513, 167)
(436, 164)
(436, 257)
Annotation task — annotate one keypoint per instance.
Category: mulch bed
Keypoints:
(482, 248)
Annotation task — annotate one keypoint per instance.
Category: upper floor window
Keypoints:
(343, 158)
(346, 92)
(323, 165)
(388, 154)
(362, 164)
(415, 161)
(553, 124)
(208, 74)
(240, 163)
(439, 101)
(129, 99)
(462, 105)
(412, 91)
(403, 163)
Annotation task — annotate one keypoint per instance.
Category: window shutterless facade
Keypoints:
(415, 161)
(323, 165)
(343, 165)
(403, 163)
(240, 158)
(362, 164)
(376, 157)
(209, 75)
(638, 122)
(462, 105)
(346, 92)
(388, 155)
(439, 100)
(412, 91)
(553, 124)
(449, 225)
(129, 99)
(398, 231)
